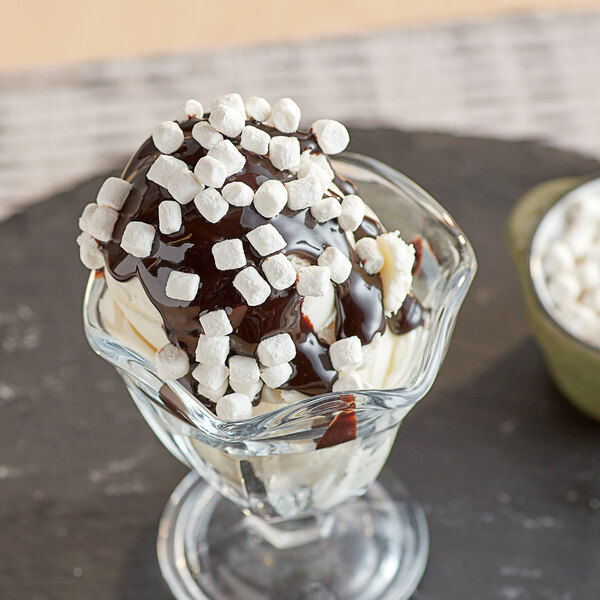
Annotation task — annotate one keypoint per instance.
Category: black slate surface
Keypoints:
(507, 471)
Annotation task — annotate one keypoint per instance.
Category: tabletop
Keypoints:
(507, 470)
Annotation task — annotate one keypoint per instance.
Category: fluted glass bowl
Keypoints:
(312, 522)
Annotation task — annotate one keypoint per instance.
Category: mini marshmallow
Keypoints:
(270, 198)
(169, 217)
(266, 239)
(312, 170)
(227, 120)
(252, 286)
(313, 281)
(338, 263)
(346, 353)
(353, 212)
(585, 209)
(210, 171)
(167, 137)
(396, 274)
(582, 321)
(206, 135)
(277, 375)
(370, 255)
(163, 168)
(279, 271)
(243, 369)
(284, 153)
(182, 286)
(229, 155)
(591, 298)
(257, 108)
(558, 256)
(347, 382)
(229, 254)
(309, 160)
(171, 362)
(285, 115)
(184, 186)
(276, 350)
(238, 193)
(255, 140)
(331, 135)
(89, 253)
(137, 239)
(191, 109)
(212, 350)
(102, 223)
(248, 389)
(564, 288)
(216, 323)
(303, 192)
(211, 376)
(234, 407)
(233, 100)
(580, 237)
(211, 205)
(588, 273)
(212, 395)
(325, 209)
(113, 193)
(85, 220)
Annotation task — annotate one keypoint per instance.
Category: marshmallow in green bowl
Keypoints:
(554, 239)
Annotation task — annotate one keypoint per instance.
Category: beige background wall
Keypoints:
(41, 32)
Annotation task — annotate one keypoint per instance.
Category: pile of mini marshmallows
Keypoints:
(571, 266)
(205, 187)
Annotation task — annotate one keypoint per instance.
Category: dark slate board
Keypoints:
(507, 470)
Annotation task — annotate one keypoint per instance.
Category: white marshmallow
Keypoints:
(211, 205)
(308, 160)
(255, 140)
(331, 135)
(212, 350)
(212, 395)
(312, 170)
(163, 168)
(266, 239)
(347, 382)
(169, 217)
(279, 271)
(591, 298)
(191, 109)
(585, 209)
(102, 223)
(313, 281)
(285, 115)
(84, 238)
(229, 155)
(582, 321)
(113, 193)
(137, 239)
(277, 375)
(303, 192)
(243, 369)
(588, 273)
(85, 220)
(370, 255)
(184, 186)
(257, 108)
(229, 254)
(211, 376)
(248, 389)
(252, 286)
(564, 288)
(210, 171)
(206, 135)
(167, 137)
(182, 286)
(238, 193)
(284, 153)
(216, 323)
(276, 350)
(396, 274)
(558, 256)
(580, 237)
(234, 100)
(291, 396)
(227, 120)
(89, 253)
(353, 213)
(270, 198)
(234, 407)
(171, 362)
(346, 353)
(338, 263)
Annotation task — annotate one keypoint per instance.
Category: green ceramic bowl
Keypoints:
(573, 364)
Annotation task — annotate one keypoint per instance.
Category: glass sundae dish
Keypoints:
(274, 327)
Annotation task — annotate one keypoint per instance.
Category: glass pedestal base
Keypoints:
(369, 548)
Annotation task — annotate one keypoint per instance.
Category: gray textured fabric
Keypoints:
(534, 76)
